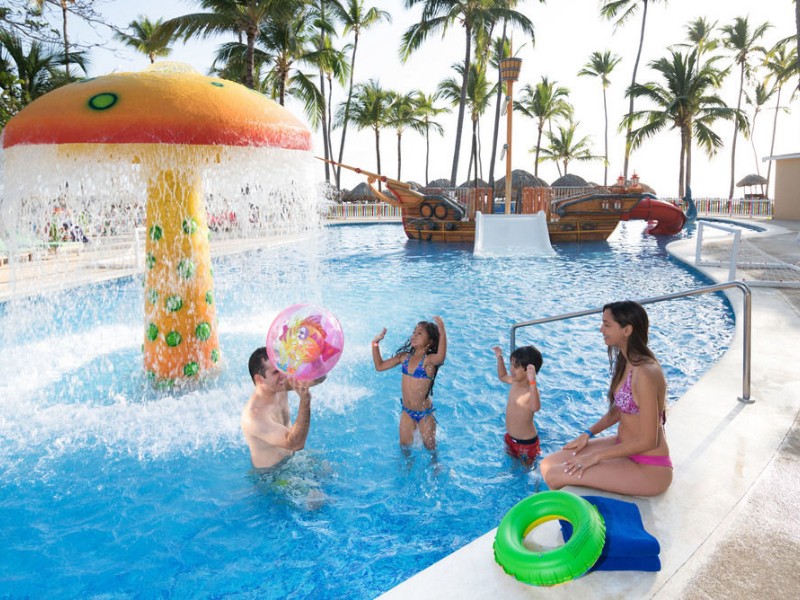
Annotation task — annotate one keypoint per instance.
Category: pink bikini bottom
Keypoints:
(653, 461)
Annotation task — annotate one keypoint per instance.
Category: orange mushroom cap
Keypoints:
(157, 107)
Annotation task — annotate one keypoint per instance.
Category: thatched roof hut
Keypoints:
(438, 184)
(569, 180)
(474, 183)
(520, 178)
(360, 193)
(752, 179)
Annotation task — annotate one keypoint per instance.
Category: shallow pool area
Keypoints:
(109, 487)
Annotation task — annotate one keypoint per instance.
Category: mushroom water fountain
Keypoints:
(171, 141)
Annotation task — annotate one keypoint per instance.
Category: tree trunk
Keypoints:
(427, 150)
(688, 176)
(633, 82)
(753, 141)
(378, 152)
(249, 61)
(497, 110)
(774, 129)
(325, 132)
(605, 163)
(682, 167)
(797, 25)
(399, 154)
(736, 131)
(461, 106)
(346, 112)
(538, 147)
(66, 41)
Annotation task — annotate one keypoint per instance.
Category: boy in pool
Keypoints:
(266, 425)
(522, 439)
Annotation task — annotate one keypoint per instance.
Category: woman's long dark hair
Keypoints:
(627, 312)
(433, 334)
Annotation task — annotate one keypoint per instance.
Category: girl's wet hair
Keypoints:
(433, 347)
(624, 313)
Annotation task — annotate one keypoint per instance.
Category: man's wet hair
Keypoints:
(258, 362)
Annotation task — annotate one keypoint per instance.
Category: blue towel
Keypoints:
(628, 547)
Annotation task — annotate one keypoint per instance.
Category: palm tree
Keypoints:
(427, 110)
(761, 95)
(544, 102)
(739, 38)
(401, 115)
(356, 18)
(700, 37)
(239, 17)
(368, 110)
(479, 93)
(39, 4)
(38, 67)
(145, 38)
(600, 65)
(684, 101)
(627, 9)
(564, 147)
(782, 65)
(439, 15)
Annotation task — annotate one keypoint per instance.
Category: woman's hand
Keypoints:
(578, 444)
(379, 337)
(580, 464)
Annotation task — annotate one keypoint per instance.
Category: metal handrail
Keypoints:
(747, 324)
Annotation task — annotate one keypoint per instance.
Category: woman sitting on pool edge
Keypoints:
(635, 461)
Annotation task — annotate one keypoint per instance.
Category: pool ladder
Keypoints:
(746, 325)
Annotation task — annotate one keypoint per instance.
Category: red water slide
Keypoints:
(665, 217)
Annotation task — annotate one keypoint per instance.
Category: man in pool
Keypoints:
(267, 427)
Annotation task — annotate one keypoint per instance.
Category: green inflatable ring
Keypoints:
(561, 564)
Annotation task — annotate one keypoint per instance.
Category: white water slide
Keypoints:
(512, 234)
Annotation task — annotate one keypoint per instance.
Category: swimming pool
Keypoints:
(110, 488)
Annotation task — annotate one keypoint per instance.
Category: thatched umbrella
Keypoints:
(474, 183)
(569, 180)
(520, 178)
(360, 193)
(751, 181)
(438, 184)
(415, 186)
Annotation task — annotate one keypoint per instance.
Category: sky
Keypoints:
(566, 33)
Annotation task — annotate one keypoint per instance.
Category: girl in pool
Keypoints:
(636, 460)
(420, 357)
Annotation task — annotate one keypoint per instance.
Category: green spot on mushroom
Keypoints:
(189, 226)
(103, 101)
(156, 233)
(203, 331)
(151, 376)
(152, 332)
(173, 303)
(186, 268)
(150, 260)
(152, 296)
(191, 369)
(214, 355)
(217, 84)
(173, 339)
(164, 384)
(209, 297)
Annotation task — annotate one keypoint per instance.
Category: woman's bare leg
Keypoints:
(427, 429)
(618, 475)
(406, 430)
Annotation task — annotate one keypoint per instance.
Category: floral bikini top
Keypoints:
(623, 399)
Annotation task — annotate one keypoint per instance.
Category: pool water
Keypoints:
(112, 489)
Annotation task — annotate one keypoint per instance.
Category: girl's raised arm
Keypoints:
(439, 357)
(380, 364)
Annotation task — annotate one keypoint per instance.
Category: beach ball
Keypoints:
(305, 341)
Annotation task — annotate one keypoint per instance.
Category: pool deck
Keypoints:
(728, 525)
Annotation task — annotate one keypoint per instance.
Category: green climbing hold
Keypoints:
(156, 233)
(186, 268)
(203, 331)
(209, 297)
(152, 296)
(173, 303)
(150, 260)
(173, 339)
(214, 355)
(152, 332)
(189, 226)
(191, 369)
(103, 101)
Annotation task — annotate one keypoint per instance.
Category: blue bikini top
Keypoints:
(419, 372)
